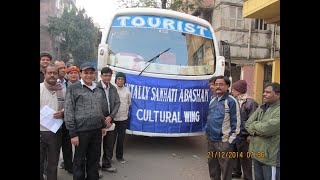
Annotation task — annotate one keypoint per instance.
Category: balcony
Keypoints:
(269, 10)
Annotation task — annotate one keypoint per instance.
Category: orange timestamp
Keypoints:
(224, 154)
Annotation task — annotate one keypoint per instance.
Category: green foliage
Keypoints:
(77, 34)
(186, 6)
(138, 3)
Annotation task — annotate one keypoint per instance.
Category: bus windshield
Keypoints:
(132, 47)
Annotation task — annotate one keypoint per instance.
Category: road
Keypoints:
(158, 158)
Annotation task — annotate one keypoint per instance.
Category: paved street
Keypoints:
(155, 158)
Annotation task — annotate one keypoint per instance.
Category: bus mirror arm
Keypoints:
(153, 59)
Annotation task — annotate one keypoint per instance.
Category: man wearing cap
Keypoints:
(85, 109)
(247, 107)
(113, 101)
(72, 74)
(121, 118)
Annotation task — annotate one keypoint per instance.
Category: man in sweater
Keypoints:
(85, 106)
(264, 127)
(49, 141)
(112, 98)
(247, 107)
(121, 119)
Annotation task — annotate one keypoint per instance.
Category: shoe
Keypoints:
(110, 169)
(100, 174)
(236, 175)
(61, 166)
(70, 171)
(122, 161)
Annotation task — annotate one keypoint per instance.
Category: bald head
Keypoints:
(61, 68)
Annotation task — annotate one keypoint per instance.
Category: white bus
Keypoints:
(167, 57)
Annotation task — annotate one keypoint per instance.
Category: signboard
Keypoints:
(167, 105)
(164, 23)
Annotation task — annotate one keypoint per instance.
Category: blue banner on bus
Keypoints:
(162, 23)
(167, 105)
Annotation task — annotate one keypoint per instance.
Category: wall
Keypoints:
(260, 40)
(50, 8)
(248, 75)
(47, 8)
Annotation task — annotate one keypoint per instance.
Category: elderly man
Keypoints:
(66, 144)
(247, 106)
(73, 74)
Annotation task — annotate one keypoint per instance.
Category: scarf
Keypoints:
(57, 89)
(242, 98)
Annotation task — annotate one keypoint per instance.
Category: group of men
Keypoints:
(240, 133)
(89, 111)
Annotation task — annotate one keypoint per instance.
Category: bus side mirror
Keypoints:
(220, 66)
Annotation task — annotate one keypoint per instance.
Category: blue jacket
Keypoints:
(223, 122)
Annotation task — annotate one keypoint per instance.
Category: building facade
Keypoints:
(50, 8)
(269, 11)
(248, 39)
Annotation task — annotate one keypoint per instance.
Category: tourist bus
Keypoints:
(168, 58)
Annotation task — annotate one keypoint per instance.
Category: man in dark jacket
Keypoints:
(84, 117)
(113, 100)
(247, 107)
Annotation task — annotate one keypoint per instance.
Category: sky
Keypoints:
(99, 10)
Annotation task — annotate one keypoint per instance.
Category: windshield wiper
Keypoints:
(153, 59)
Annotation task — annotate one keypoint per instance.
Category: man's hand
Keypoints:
(104, 131)
(75, 141)
(108, 121)
(58, 114)
(248, 139)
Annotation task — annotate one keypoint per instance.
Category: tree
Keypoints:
(138, 3)
(178, 5)
(186, 6)
(77, 34)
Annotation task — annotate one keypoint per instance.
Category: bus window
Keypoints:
(190, 54)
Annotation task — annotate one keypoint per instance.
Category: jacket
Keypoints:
(223, 121)
(84, 109)
(125, 101)
(114, 100)
(264, 127)
(247, 107)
